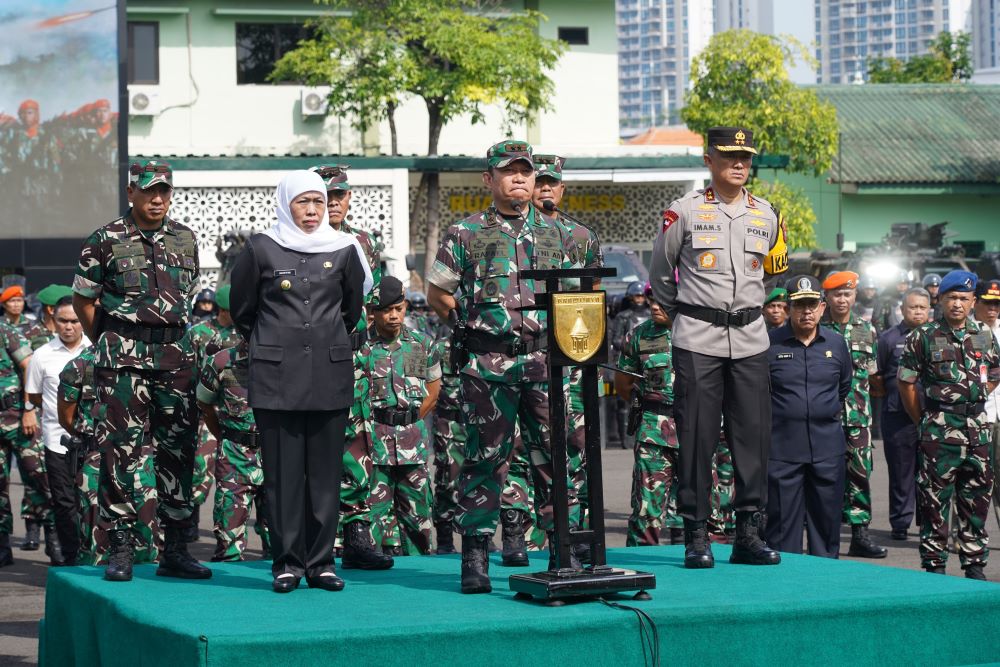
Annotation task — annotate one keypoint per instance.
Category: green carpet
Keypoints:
(804, 611)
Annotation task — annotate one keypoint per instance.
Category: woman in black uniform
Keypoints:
(294, 288)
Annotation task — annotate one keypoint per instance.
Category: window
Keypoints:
(260, 45)
(577, 36)
(143, 52)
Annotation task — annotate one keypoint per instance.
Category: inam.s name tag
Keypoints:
(281, 273)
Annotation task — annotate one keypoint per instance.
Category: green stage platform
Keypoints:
(804, 611)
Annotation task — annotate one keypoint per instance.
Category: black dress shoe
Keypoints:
(285, 583)
(899, 534)
(328, 581)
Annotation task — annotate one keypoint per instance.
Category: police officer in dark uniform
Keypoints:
(810, 378)
(296, 289)
(707, 270)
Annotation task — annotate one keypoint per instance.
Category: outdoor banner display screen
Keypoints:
(58, 117)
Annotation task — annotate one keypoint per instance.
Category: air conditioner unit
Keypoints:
(143, 100)
(314, 101)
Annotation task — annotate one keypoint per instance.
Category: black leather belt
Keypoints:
(450, 414)
(395, 416)
(658, 408)
(133, 331)
(8, 401)
(720, 318)
(240, 437)
(481, 343)
(967, 409)
(358, 338)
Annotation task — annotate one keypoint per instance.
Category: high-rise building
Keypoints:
(985, 34)
(849, 33)
(756, 15)
(656, 41)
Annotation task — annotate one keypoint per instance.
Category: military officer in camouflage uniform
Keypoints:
(634, 311)
(14, 354)
(776, 308)
(707, 271)
(355, 525)
(449, 445)
(956, 364)
(143, 268)
(506, 377)
(645, 350)
(405, 375)
(206, 338)
(239, 478)
(840, 290)
(77, 399)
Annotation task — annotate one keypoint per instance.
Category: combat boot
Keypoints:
(574, 562)
(475, 564)
(749, 548)
(52, 547)
(936, 570)
(191, 532)
(862, 545)
(121, 554)
(513, 553)
(445, 538)
(175, 561)
(32, 535)
(975, 571)
(676, 536)
(6, 555)
(359, 549)
(697, 548)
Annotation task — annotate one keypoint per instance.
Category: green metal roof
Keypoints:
(916, 133)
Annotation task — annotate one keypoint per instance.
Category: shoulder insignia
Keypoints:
(750, 200)
(669, 218)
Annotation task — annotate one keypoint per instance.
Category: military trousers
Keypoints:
(965, 474)
(239, 481)
(29, 454)
(203, 475)
(401, 507)
(653, 475)
(809, 492)
(492, 410)
(302, 453)
(705, 389)
(858, 491)
(449, 452)
(900, 444)
(129, 402)
(576, 437)
(519, 491)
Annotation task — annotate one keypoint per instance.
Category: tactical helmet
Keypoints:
(205, 295)
(416, 299)
(903, 277)
(635, 289)
(931, 280)
(867, 282)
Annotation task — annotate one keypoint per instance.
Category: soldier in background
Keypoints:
(634, 311)
(776, 308)
(29, 160)
(204, 307)
(867, 298)
(405, 378)
(841, 291)
(143, 268)
(14, 354)
(932, 283)
(957, 366)
(44, 329)
(449, 444)
(506, 377)
(358, 550)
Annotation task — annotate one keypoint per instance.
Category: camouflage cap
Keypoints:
(549, 166)
(147, 174)
(502, 154)
(333, 175)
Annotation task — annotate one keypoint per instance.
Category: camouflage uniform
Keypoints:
(483, 255)
(449, 437)
(861, 338)
(399, 371)
(952, 367)
(646, 350)
(144, 281)
(519, 493)
(239, 476)
(14, 349)
(35, 331)
(721, 522)
(206, 339)
(76, 385)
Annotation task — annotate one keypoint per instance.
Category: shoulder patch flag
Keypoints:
(669, 218)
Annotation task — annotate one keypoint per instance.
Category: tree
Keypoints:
(948, 60)
(450, 53)
(741, 79)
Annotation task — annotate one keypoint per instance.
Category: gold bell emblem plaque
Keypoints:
(578, 323)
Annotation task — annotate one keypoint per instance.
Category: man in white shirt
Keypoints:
(987, 313)
(41, 385)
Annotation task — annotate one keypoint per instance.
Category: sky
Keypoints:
(796, 18)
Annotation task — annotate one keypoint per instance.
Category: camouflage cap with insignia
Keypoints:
(333, 175)
(549, 166)
(731, 140)
(146, 174)
(502, 154)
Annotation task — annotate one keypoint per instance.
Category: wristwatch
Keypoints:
(29, 406)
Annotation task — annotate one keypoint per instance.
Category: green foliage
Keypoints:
(795, 206)
(741, 79)
(949, 60)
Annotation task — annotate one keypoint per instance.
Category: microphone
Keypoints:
(518, 207)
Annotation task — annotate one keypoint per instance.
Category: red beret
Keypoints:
(845, 279)
(28, 104)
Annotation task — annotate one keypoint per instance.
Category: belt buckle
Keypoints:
(517, 348)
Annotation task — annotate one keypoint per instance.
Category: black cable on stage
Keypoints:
(648, 633)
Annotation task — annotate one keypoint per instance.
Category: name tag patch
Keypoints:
(281, 273)
(785, 355)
